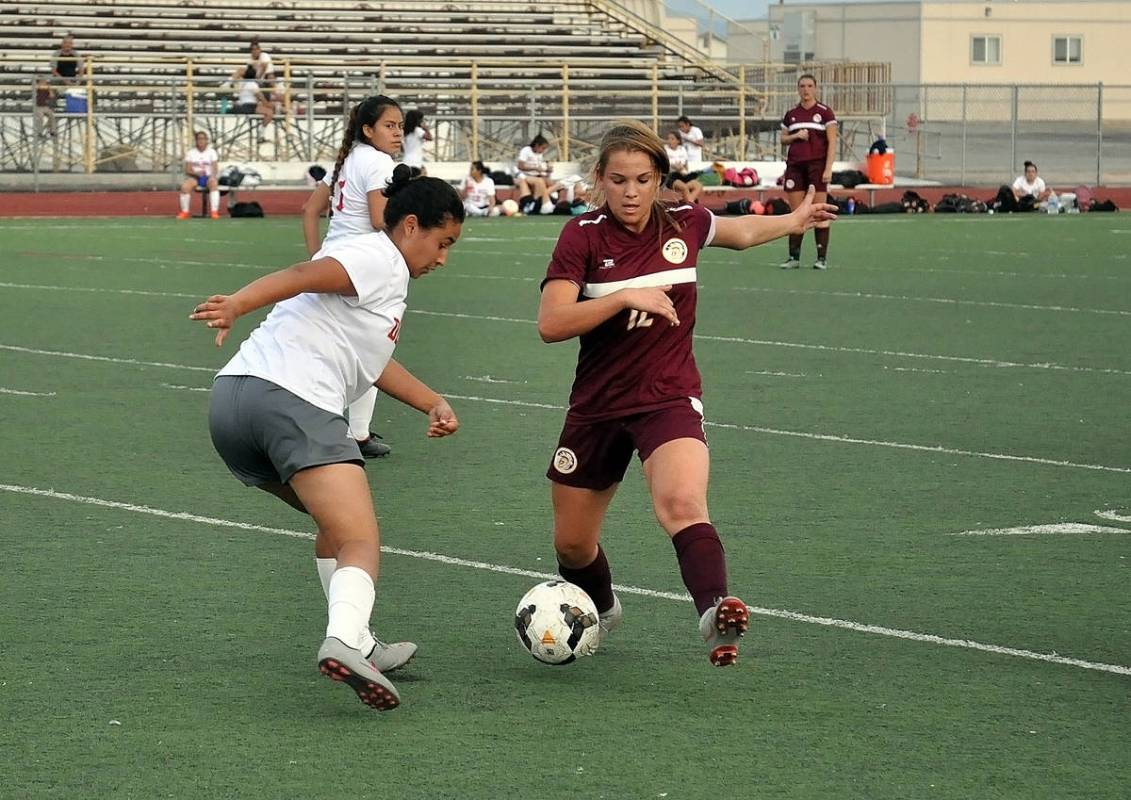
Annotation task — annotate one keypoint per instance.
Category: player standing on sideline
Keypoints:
(276, 409)
(353, 192)
(810, 129)
(416, 133)
(623, 279)
(201, 166)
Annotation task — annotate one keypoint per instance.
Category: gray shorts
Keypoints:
(265, 434)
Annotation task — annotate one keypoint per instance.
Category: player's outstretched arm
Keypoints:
(739, 233)
(324, 276)
(561, 316)
(400, 384)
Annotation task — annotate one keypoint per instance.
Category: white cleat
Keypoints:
(389, 656)
(722, 626)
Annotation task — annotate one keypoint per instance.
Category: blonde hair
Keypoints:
(631, 136)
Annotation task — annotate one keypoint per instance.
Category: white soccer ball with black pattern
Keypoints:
(557, 622)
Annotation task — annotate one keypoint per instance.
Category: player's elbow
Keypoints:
(550, 332)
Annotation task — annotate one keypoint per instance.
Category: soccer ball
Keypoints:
(510, 207)
(557, 622)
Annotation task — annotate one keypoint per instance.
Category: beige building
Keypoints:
(957, 41)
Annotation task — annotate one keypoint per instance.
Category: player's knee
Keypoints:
(676, 510)
(574, 552)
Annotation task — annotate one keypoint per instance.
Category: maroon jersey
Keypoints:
(816, 120)
(633, 362)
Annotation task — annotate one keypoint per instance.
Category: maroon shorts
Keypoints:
(595, 455)
(800, 176)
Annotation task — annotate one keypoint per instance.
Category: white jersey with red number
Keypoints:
(200, 162)
(366, 169)
(479, 193)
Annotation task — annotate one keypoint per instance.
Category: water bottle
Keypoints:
(850, 208)
(1053, 205)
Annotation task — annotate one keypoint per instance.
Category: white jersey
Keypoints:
(479, 193)
(1024, 188)
(366, 169)
(677, 158)
(414, 148)
(248, 93)
(326, 348)
(694, 151)
(537, 164)
(200, 162)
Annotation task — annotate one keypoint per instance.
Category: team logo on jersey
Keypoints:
(607, 263)
(565, 460)
(789, 184)
(675, 251)
(816, 117)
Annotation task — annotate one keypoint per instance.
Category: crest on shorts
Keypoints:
(789, 184)
(675, 251)
(565, 460)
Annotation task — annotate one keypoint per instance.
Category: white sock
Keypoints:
(326, 569)
(350, 600)
(214, 201)
(361, 414)
(185, 200)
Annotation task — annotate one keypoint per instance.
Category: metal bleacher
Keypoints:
(501, 68)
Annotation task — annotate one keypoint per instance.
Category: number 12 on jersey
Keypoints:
(639, 319)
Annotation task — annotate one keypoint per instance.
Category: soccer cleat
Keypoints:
(607, 621)
(182, 215)
(373, 447)
(820, 263)
(340, 662)
(391, 656)
(547, 207)
(791, 263)
(215, 215)
(721, 627)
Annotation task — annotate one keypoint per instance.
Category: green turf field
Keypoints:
(945, 376)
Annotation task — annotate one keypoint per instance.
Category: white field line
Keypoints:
(187, 388)
(1113, 516)
(778, 613)
(99, 290)
(824, 437)
(5, 390)
(490, 379)
(777, 374)
(1030, 530)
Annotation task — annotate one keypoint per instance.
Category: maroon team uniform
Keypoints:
(805, 159)
(636, 385)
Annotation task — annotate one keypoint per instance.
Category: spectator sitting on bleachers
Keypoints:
(260, 60)
(478, 190)
(532, 174)
(201, 167)
(416, 133)
(679, 179)
(250, 98)
(692, 138)
(68, 63)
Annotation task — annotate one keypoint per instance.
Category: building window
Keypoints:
(985, 49)
(1068, 50)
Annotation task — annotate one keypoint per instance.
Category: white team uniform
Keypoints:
(355, 336)
(478, 195)
(677, 158)
(200, 161)
(527, 156)
(365, 169)
(1024, 188)
(413, 145)
(694, 151)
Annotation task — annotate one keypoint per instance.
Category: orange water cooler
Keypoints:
(881, 168)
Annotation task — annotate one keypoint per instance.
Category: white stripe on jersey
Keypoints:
(817, 126)
(671, 276)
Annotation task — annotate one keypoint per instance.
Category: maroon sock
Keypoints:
(795, 245)
(822, 235)
(701, 563)
(595, 579)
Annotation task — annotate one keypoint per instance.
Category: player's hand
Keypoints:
(652, 301)
(218, 311)
(809, 214)
(802, 135)
(827, 176)
(442, 420)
